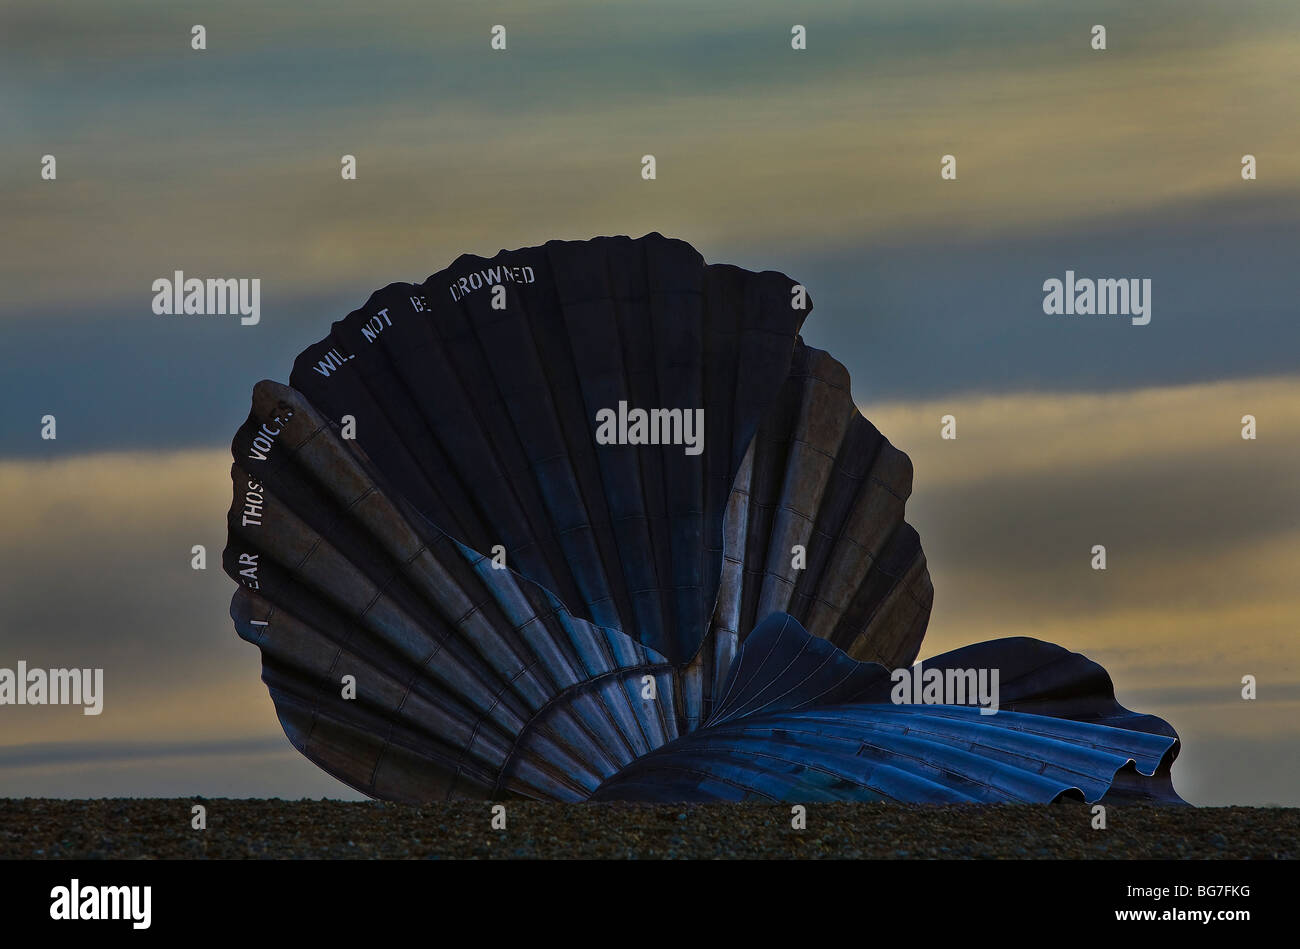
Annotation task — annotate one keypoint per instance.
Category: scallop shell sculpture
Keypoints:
(463, 587)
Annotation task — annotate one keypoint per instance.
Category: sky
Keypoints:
(822, 163)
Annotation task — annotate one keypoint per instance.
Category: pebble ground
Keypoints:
(238, 829)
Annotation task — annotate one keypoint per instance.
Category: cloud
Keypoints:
(95, 573)
(1030, 434)
(1201, 527)
(759, 147)
(84, 753)
(232, 769)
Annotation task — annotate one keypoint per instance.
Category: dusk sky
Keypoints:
(822, 163)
